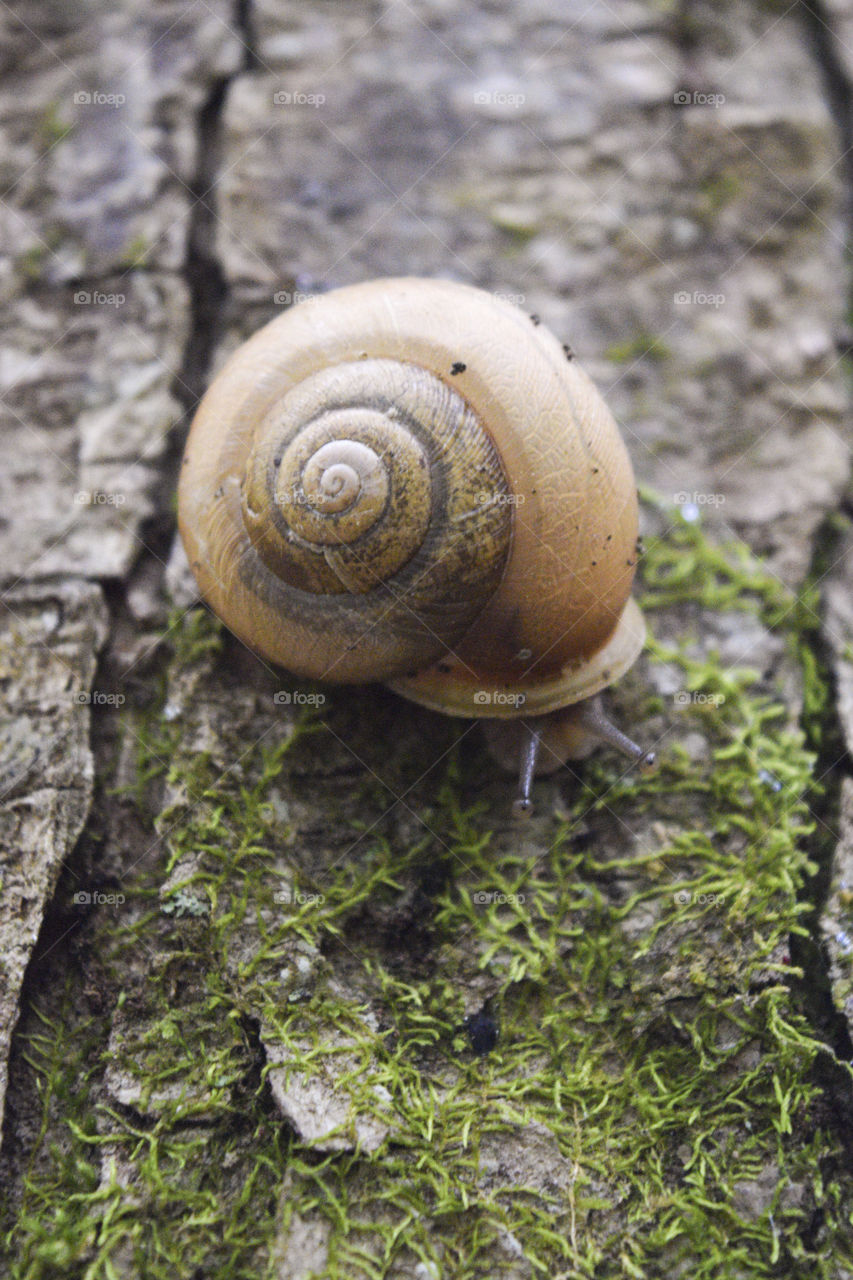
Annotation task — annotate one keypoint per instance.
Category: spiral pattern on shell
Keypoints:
(361, 498)
(363, 467)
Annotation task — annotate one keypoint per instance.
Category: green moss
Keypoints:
(137, 252)
(52, 129)
(643, 346)
(193, 635)
(718, 191)
(651, 1065)
(685, 567)
(186, 1068)
(31, 263)
(518, 230)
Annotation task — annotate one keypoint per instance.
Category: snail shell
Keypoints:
(407, 480)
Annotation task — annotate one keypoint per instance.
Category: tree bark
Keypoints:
(285, 990)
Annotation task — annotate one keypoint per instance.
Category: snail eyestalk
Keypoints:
(530, 744)
(588, 717)
(570, 734)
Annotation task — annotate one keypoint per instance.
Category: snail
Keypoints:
(412, 481)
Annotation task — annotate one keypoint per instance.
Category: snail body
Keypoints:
(408, 480)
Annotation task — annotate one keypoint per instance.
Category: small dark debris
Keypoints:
(535, 319)
(844, 340)
(458, 366)
(567, 351)
(482, 1031)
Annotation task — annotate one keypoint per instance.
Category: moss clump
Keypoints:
(651, 1103)
(643, 346)
(137, 252)
(718, 191)
(32, 262)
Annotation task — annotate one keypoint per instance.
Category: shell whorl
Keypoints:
(359, 522)
(338, 494)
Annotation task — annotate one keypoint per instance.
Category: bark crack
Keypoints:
(823, 729)
(839, 93)
(202, 271)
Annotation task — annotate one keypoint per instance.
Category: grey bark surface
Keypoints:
(674, 205)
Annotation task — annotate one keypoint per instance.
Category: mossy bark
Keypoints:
(292, 995)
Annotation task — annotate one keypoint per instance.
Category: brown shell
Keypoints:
(527, 452)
